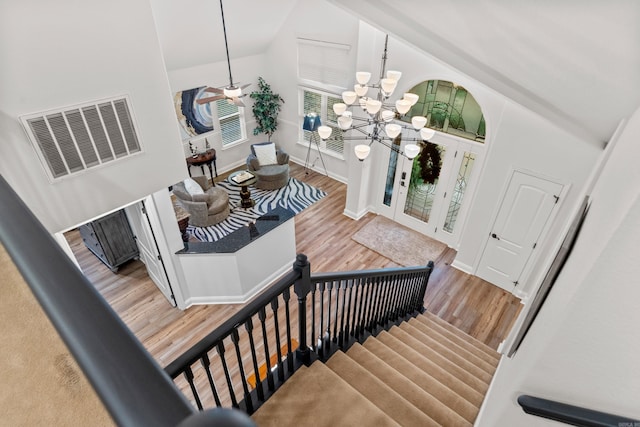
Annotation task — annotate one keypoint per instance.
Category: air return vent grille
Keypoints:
(83, 136)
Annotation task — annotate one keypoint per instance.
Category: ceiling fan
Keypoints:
(231, 93)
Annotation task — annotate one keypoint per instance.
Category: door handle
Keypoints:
(404, 175)
(495, 236)
(402, 183)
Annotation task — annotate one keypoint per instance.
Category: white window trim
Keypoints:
(323, 117)
(243, 126)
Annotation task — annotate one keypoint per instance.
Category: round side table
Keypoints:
(245, 194)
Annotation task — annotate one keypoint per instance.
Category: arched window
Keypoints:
(448, 108)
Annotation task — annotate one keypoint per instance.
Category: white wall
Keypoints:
(55, 54)
(520, 139)
(583, 347)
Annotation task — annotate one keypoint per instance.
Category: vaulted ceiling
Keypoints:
(575, 62)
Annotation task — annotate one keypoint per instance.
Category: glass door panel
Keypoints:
(459, 189)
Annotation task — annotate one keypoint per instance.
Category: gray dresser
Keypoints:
(110, 238)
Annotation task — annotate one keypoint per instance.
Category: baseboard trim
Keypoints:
(354, 215)
(319, 170)
(465, 268)
(240, 299)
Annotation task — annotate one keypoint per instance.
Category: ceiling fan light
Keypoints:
(349, 97)
(360, 90)
(324, 131)
(373, 106)
(363, 77)
(403, 106)
(411, 151)
(418, 122)
(427, 133)
(232, 92)
(362, 151)
(394, 75)
(388, 86)
(392, 130)
(339, 108)
(411, 97)
(345, 122)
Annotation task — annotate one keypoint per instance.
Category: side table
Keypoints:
(201, 159)
(245, 194)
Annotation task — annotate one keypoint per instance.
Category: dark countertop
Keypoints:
(241, 237)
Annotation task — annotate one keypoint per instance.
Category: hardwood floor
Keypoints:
(323, 233)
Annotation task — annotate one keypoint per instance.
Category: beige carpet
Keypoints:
(390, 380)
(398, 243)
(41, 383)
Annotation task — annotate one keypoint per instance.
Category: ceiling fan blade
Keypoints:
(244, 86)
(238, 102)
(214, 90)
(209, 99)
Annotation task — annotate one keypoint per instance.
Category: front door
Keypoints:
(436, 208)
(524, 213)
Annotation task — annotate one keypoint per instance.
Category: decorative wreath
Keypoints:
(430, 162)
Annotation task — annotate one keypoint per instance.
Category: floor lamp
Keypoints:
(311, 123)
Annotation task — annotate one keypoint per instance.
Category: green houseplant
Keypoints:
(266, 106)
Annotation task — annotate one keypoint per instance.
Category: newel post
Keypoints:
(302, 287)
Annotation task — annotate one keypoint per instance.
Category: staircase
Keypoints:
(423, 372)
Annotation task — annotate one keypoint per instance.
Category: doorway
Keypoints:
(436, 208)
(526, 210)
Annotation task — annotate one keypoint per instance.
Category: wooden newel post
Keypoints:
(302, 287)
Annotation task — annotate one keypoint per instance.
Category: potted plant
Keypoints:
(266, 106)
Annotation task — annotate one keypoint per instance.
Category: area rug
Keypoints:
(398, 243)
(295, 196)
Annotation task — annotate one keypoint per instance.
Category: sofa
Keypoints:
(207, 205)
(270, 165)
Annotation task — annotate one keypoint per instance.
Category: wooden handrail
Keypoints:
(572, 415)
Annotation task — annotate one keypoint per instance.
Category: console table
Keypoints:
(201, 159)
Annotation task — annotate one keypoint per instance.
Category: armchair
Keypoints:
(207, 205)
(269, 164)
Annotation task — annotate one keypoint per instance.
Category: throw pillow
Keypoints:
(266, 154)
(192, 187)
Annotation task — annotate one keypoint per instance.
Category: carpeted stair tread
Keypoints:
(442, 361)
(380, 394)
(386, 345)
(448, 326)
(316, 396)
(453, 346)
(454, 357)
(446, 408)
(461, 339)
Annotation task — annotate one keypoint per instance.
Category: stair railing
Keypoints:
(333, 311)
(348, 307)
(261, 359)
(572, 415)
(129, 382)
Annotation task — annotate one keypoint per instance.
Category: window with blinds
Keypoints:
(80, 137)
(324, 62)
(232, 128)
(321, 103)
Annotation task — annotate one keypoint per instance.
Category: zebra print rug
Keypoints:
(295, 196)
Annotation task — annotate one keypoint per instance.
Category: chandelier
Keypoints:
(377, 125)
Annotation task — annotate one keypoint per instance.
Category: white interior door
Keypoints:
(524, 213)
(149, 253)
